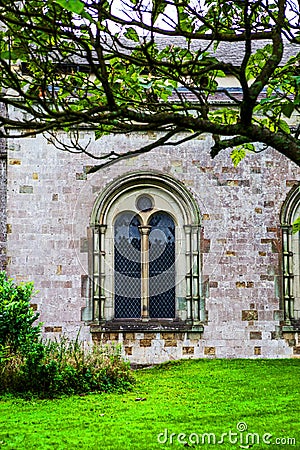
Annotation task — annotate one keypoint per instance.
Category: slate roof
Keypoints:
(230, 52)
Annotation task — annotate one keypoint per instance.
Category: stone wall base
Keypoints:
(145, 348)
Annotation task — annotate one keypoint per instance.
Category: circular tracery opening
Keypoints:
(145, 203)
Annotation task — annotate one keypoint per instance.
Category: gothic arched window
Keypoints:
(146, 262)
(291, 259)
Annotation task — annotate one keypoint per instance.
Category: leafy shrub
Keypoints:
(30, 366)
(16, 315)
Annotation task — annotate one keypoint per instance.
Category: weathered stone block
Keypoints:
(194, 336)
(232, 182)
(188, 350)
(205, 245)
(278, 315)
(129, 336)
(150, 335)
(167, 335)
(209, 351)
(84, 245)
(14, 162)
(291, 183)
(265, 277)
(26, 189)
(170, 343)
(266, 241)
(84, 285)
(145, 342)
(57, 329)
(255, 335)
(269, 204)
(48, 329)
(114, 336)
(250, 315)
(81, 176)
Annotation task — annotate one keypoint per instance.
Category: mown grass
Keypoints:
(202, 396)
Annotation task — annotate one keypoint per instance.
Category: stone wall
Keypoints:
(50, 199)
(2, 199)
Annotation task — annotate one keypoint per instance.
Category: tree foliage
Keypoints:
(118, 66)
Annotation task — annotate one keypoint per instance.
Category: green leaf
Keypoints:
(296, 225)
(287, 109)
(75, 6)
(131, 34)
(237, 155)
(284, 126)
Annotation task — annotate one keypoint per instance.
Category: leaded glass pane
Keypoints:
(127, 265)
(162, 266)
(144, 203)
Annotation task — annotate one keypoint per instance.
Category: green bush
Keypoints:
(29, 366)
(16, 315)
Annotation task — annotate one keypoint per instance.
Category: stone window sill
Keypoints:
(138, 325)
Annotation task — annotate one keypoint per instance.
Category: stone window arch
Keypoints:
(145, 261)
(291, 259)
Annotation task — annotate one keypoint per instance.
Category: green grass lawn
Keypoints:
(188, 399)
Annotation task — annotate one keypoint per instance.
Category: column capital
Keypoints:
(144, 229)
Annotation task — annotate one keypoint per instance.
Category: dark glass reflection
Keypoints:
(127, 265)
(162, 266)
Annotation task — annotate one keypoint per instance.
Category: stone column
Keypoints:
(145, 231)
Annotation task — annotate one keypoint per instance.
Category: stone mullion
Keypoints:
(96, 273)
(189, 265)
(102, 272)
(145, 294)
(287, 274)
(195, 273)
